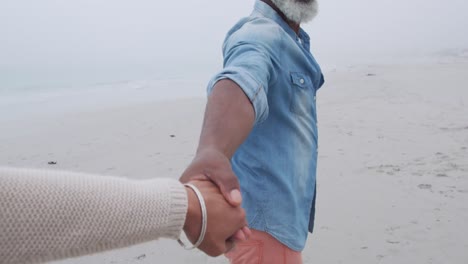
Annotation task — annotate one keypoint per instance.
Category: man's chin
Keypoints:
(298, 11)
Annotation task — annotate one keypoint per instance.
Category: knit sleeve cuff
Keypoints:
(178, 211)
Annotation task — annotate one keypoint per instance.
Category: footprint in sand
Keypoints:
(441, 155)
(425, 186)
(387, 169)
(391, 229)
(461, 128)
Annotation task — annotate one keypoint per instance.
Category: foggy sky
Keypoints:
(112, 40)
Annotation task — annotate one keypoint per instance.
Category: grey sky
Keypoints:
(111, 40)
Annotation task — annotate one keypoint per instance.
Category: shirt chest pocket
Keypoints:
(302, 95)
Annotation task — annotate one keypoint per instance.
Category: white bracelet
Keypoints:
(204, 218)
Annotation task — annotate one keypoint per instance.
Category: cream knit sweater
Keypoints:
(48, 215)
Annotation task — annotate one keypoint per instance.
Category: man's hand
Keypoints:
(223, 219)
(215, 166)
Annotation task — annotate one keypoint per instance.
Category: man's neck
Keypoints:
(295, 26)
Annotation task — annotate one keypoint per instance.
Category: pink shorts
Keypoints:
(262, 248)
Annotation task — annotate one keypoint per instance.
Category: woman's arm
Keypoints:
(48, 215)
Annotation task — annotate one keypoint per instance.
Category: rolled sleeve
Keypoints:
(251, 87)
(249, 65)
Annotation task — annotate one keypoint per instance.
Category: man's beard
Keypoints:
(298, 11)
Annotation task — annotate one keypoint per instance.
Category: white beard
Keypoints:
(297, 11)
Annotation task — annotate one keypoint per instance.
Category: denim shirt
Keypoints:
(276, 165)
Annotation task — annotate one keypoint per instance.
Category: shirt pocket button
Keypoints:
(302, 94)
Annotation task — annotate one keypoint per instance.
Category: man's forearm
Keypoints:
(229, 118)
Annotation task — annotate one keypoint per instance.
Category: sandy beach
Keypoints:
(393, 163)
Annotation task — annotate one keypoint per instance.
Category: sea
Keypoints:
(30, 94)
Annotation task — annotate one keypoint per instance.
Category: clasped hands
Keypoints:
(211, 173)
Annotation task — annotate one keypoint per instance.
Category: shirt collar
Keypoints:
(270, 13)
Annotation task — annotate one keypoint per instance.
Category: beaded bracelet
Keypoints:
(204, 218)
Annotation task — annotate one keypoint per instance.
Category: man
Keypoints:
(261, 119)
